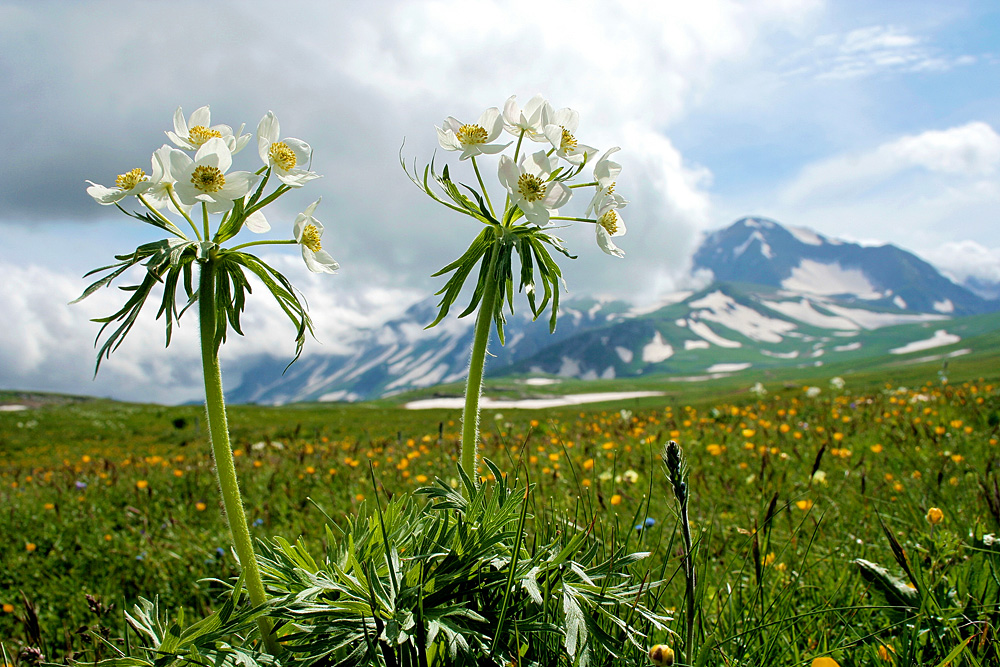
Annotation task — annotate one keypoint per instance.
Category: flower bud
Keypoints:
(661, 655)
(934, 516)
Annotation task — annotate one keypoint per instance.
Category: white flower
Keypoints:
(473, 138)
(605, 174)
(532, 119)
(609, 224)
(204, 179)
(559, 132)
(529, 186)
(837, 383)
(134, 182)
(162, 181)
(308, 231)
(198, 129)
(285, 157)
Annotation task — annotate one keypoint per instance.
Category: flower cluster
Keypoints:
(195, 172)
(536, 181)
(191, 179)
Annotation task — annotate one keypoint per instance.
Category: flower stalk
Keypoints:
(477, 363)
(225, 467)
(181, 182)
(677, 474)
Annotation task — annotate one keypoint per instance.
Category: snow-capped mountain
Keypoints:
(403, 355)
(782, 296)
(762, 252)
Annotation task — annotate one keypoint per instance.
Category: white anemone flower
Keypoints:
(162, 181)
(609, 224)
(308, 231)
(204, 179)
(285, 157)
(133, 182)
(473, 138)
(531, 120)
(605, 173)
(198, 129)
(560, 133)
(530, 188)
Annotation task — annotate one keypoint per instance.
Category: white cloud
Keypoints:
(912, 190)
(967, 259)
(51, 347)
(869, 51)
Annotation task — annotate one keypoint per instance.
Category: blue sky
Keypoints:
(871, 121)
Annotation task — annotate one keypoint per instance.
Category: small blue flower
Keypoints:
(141, 556)
(258, 522)
(650, 522)
(81, 485)
(220, 551)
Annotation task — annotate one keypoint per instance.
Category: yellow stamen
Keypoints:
(310, 238)
(130, 179)
(531, 187)
(568, 144)
(208, 179)
(609, 221)
(471, 134)
(282, 155)
(199, 134)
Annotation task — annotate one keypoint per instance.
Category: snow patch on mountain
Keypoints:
(703, 331)
(815, 277)
(870, 319)
(727, 368)
(625, 354)
(940, 337)
(721, 308)
(945, 306)
(803, 235)
(657, 350)
(696, 344)
(765, 249)
(805, 312)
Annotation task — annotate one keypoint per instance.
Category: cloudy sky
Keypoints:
(877, 122)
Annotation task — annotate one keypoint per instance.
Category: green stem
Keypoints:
(180, 209)
(566, 217)
(482, 186)
(474, 383)
(215, 408)
(265, 242)
(690, 585)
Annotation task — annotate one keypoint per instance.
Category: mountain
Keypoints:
(763, 252)
(783, 296)
(403, 355)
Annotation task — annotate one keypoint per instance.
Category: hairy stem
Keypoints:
(215, 408)
(474, 384)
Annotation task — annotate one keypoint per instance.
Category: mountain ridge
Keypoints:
(798, 298)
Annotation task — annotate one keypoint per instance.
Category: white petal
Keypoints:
(103, 195)
(508, 173)
(216, 153)
(491, 121)
(448, 140)
(605, 243)
(201, 116)
(296, 178)
(180, 125)
(267, 134)
(257, 223)
(319, 262)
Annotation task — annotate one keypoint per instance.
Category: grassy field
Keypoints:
(789, 489)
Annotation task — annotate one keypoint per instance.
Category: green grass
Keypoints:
(775, 544)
